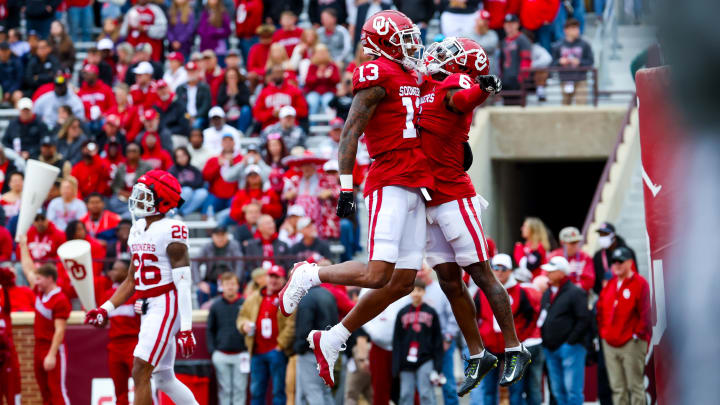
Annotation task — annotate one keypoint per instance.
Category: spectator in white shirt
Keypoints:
(176, 75)
(199, 154)
(67, 207)
(213, 134)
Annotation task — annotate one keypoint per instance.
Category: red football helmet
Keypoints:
(456, 55)
(156, 192)
(393, 35)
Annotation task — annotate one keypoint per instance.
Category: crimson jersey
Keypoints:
(392, 139)
(443, 134)
(153, 273)
(49, 307)
(124, 322)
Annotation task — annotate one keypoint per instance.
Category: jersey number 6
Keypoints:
(179, 232)
(143, 263)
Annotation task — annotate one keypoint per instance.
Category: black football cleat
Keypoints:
(515, 365)
(476, 370)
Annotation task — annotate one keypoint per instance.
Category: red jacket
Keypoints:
(525, 313)
(272, 97)
(344, 303)
(219, 187)
(143, 97)
(498, 9)
(6, 244)
(107, 220)
(288, 38)
(582, 269)
(248, 17)
(43, 246)
(99, 94)
(524, 250)
(624, 312)
(269, 200)
(257, 58)
(320, 83)
(157, 157)
(536, 13)
(93, 177)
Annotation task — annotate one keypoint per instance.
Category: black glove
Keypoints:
(467, 156)
(346, 204)
(490, 83)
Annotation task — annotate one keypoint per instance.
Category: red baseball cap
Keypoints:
(150, 114)
(484, 14)
(90, 68)
(161, 83)
(276, 270)
(113, 119)
(191, 66)
(176, 56)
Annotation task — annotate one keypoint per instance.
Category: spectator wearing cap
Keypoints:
(582, 272)
(487, 37)
(106, 72)
(292, 134)
(145, 22)
(97, 97)
(11, 75)
(71, 140)
(525, 308)
(269, 337)
(106, 49)
(310, 245)
(212, 70)
(233, 96)
(43, 239)
(233, 60)
(24, 133)
(221, 191)
(195, 95)
(335, 36)
(199, 153)
(41, 68)
(143, 53)
(126, 176)
(155, 142)
(253, 191)
(531, 253)
(265, 245)
(39, 14)
(219, 255)
(258, 54)
(516, 55)
(565, 322)
(304, 189)
(608, 241)
(316, 311)
(321, 81)
(92, 172)
(144, 91)
(181, 27)
(191, 181)
(237, 171)
(214, 29)
(288, 230)
(49, 154)
(573, 52)
(172, 114)
(176, 75)
(213, 134)
(623, 315)
(47, 105)
(62, 45)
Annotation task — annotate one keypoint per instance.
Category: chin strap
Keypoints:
(183, 281)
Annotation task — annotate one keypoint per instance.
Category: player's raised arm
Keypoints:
(180, 263)
(98, 317)
(470, 95)
(361, 109)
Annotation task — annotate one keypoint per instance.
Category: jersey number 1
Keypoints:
(409, 131)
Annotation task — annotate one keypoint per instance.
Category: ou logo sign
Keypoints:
(76, 269)
(381, 25)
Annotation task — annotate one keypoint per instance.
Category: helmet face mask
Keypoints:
(455, 55)
(142, 201)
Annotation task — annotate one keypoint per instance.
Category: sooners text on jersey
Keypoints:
(443, 133)
(392, 139)
(153, 273)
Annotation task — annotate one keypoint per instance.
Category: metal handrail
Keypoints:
(561, 69)
(605, 176)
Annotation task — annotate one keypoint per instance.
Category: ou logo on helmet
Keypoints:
(381, 25)
(481, 61)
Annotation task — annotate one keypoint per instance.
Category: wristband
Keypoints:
(346, 182)
(108, 306)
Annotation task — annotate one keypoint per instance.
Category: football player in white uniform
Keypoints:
(160, 275)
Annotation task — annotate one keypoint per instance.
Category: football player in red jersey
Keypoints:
(455, 82)
(386, 99)
(160, 276)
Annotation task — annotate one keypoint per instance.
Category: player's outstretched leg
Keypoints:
(166, 382)
(480, 361)
(517, 357)
(141, 373)
(328, 344)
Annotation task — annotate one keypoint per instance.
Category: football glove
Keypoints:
(467, 156)
(346, 204)
(490, 83)
(186, 343)
(97, 317)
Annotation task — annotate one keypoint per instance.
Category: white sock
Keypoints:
(517, 348)
(339, 334)
(315, 275)
(166, 382)
(479, 355)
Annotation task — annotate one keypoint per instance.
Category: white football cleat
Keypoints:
(325, 354)
(297, 286)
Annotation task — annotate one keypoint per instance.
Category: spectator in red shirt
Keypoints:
(52, 309)
(43, 239)
(98, 220)
(532, 254)
(143, 92)
(154, 150)
(92, 172)
(623, 315)
(10, 370)
(97, 97)
(254, 192)
(258, 55)
(6, 244)
(221, 191)
(289, 33)
(248, 17)
(126, 175)
(277, 94)
(213, 71)
(582, 271)
(321, 81)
